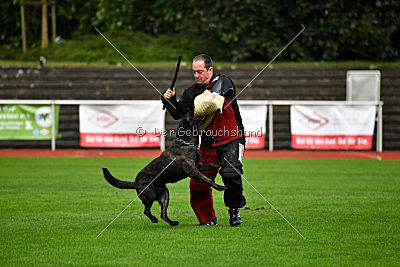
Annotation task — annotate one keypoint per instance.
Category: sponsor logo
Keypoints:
(313, 121)
(44, 132)
(103, 119)
(43, 116)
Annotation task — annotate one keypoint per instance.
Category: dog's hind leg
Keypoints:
(163, 199)
(147, 197)
(147, 212)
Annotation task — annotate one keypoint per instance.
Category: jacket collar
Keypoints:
(207, 86)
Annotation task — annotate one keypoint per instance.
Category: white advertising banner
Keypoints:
(332, 127)
(137, 125)
(254, 120)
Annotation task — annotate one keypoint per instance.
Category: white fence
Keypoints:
(269, 103)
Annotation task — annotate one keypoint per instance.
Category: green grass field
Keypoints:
(53, 208)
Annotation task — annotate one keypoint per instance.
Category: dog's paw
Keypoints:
(214, 166)
(174, 223)
(153, 219)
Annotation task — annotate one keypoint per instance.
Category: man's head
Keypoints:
(202, 69)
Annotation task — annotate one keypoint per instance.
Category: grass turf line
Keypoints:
(53, 208)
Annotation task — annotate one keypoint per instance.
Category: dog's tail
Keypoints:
(116, 182)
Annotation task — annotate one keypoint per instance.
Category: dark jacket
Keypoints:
(224, 127)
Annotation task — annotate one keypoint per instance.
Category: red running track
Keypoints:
(299, 154)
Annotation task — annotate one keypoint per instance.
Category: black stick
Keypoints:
(175, 76)
(176, 73)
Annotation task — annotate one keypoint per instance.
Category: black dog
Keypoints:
(176, 163)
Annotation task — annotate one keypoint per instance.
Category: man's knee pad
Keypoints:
(233, 195)
(231, 169)
(232, 176)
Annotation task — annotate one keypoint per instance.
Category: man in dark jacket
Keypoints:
(222, 141)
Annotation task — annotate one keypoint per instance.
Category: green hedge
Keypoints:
(229, 30)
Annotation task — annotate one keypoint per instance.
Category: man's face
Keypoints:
(200, 73)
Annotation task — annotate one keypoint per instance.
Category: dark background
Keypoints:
(249, 30)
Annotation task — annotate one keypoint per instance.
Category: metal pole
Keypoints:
(379, 130)
(53, 127)
(162, 141)
(271, 127)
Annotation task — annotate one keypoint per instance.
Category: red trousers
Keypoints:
(201, 198)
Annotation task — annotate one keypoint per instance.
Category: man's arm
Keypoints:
(228, 88)
(174, 107)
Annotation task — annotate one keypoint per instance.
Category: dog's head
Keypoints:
(188, 129)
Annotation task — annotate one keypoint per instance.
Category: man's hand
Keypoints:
(169, 93)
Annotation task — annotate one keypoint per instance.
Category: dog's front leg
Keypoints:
(205, 167)
(194, 173)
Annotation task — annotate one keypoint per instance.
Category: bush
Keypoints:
(136, 46)
(229, 30)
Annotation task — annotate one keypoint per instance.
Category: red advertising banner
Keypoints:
(120, 140)
(137, 125)
(255, 142)
(327, 142)
(332, 127)
(254, 119)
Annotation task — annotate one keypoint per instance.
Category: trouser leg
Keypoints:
(201, 198)
(230, 156)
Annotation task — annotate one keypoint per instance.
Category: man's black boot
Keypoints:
(234, 217)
